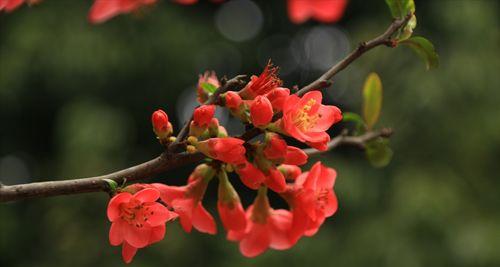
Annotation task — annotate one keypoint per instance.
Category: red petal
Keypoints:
(295, 156)
(233, 218)
(116, 233)
(137, 237)
(203, 221)
(158, 214)
(114, 205)
(157, 234)
(299, 10)
(128, 252)
(275, 180)
(147, 195)
(281, 223)
(256, 241)
(103, 10)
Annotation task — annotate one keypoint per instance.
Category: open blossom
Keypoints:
(208, 78)
(186, 201)
(229, 206)
(137, 220)
(266, 228)
(226, 149)
(262, 84)
(326, 11)
(312, 199)
(103, 10)
(307, 120)
(261, 111)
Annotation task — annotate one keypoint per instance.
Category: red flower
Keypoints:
(227, 149)
(261, 111)
(250, 175)
(229, 205)
(277, 149)
(186, 201)
(262, 84)
(275, 180)
(137, 220)
(312, 200)
(277, 97)
(161, 126)
(103, 10)
(11, 5)
(186, 2)
(291, 172)
(266, 228)
(209, 78)
(203, 115)
(307, 120)
(233, 100)
(326, 11)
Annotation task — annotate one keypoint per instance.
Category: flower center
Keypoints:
(322, 198)
(303, 120)
(135, 214)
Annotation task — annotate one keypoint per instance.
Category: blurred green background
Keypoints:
(75, 101)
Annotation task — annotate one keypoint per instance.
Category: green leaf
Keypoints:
(400, 8)
(372, 99)
(209, 88)
(424, 49)
(356, 118)
(408, 29)
(111, 184)
(378, 152)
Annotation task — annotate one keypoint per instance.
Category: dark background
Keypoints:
(76, 99)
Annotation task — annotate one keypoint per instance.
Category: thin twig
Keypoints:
(359, 141)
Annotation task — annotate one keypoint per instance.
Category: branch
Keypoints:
(384, 39)
(169, 159)
(344, 139)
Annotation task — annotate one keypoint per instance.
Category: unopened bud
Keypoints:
(191, 149)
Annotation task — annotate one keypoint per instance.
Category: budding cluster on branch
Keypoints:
(139, 212)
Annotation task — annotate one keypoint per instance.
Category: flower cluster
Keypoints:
(139, 212)
(299, 10)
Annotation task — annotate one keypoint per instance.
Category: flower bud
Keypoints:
(277, 97)
(229, 205)
(228, 149)
(261, 111)
(161, 126)
(233, 100)
(203, 115)
(275, 148)
(205, 81)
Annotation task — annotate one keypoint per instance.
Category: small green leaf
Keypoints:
(425, 50)
(400, 8)
(378, 152)
(209, 88)
(356, 118)
(372, 99)
(408, 29)
(111, 184)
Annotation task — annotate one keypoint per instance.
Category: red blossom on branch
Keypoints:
(307, 120)
(326, 11)
(137, 220)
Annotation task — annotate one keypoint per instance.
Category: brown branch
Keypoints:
(359, 141)
(384, 39)
(170, 159)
